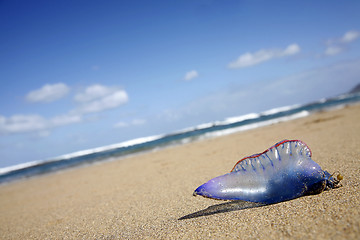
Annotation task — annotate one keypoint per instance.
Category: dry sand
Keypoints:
(142, 197)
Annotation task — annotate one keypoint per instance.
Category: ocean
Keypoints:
(151, 143)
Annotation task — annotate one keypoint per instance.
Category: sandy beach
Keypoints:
(144, 196)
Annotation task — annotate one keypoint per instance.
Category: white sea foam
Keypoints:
(256, 125)
(280, 109)
(241, 118)
(227, 121)
(204, 125)
(20, 166)
(198, 127)
(80, 153)
(128, 143)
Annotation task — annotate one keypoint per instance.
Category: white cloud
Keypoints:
(134, 122)
(93, 92)
(48, 93)
(32, 123)
(65, 119)
(291, 50)
(250, 59)
(138, 122)
(350, 36)
(191, 75)
(338, 45)
(121, 124)
(333, 50)
(22, 123)
(97, 98)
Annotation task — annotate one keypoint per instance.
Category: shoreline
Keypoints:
(143, 196)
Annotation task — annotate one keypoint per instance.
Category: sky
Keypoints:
(82, 74)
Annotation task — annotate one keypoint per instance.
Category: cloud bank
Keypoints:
(48, 93)
(94, 98)
(250, 59)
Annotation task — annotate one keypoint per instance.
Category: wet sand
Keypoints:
(144, 196)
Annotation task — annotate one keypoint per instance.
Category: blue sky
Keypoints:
(82, 74)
